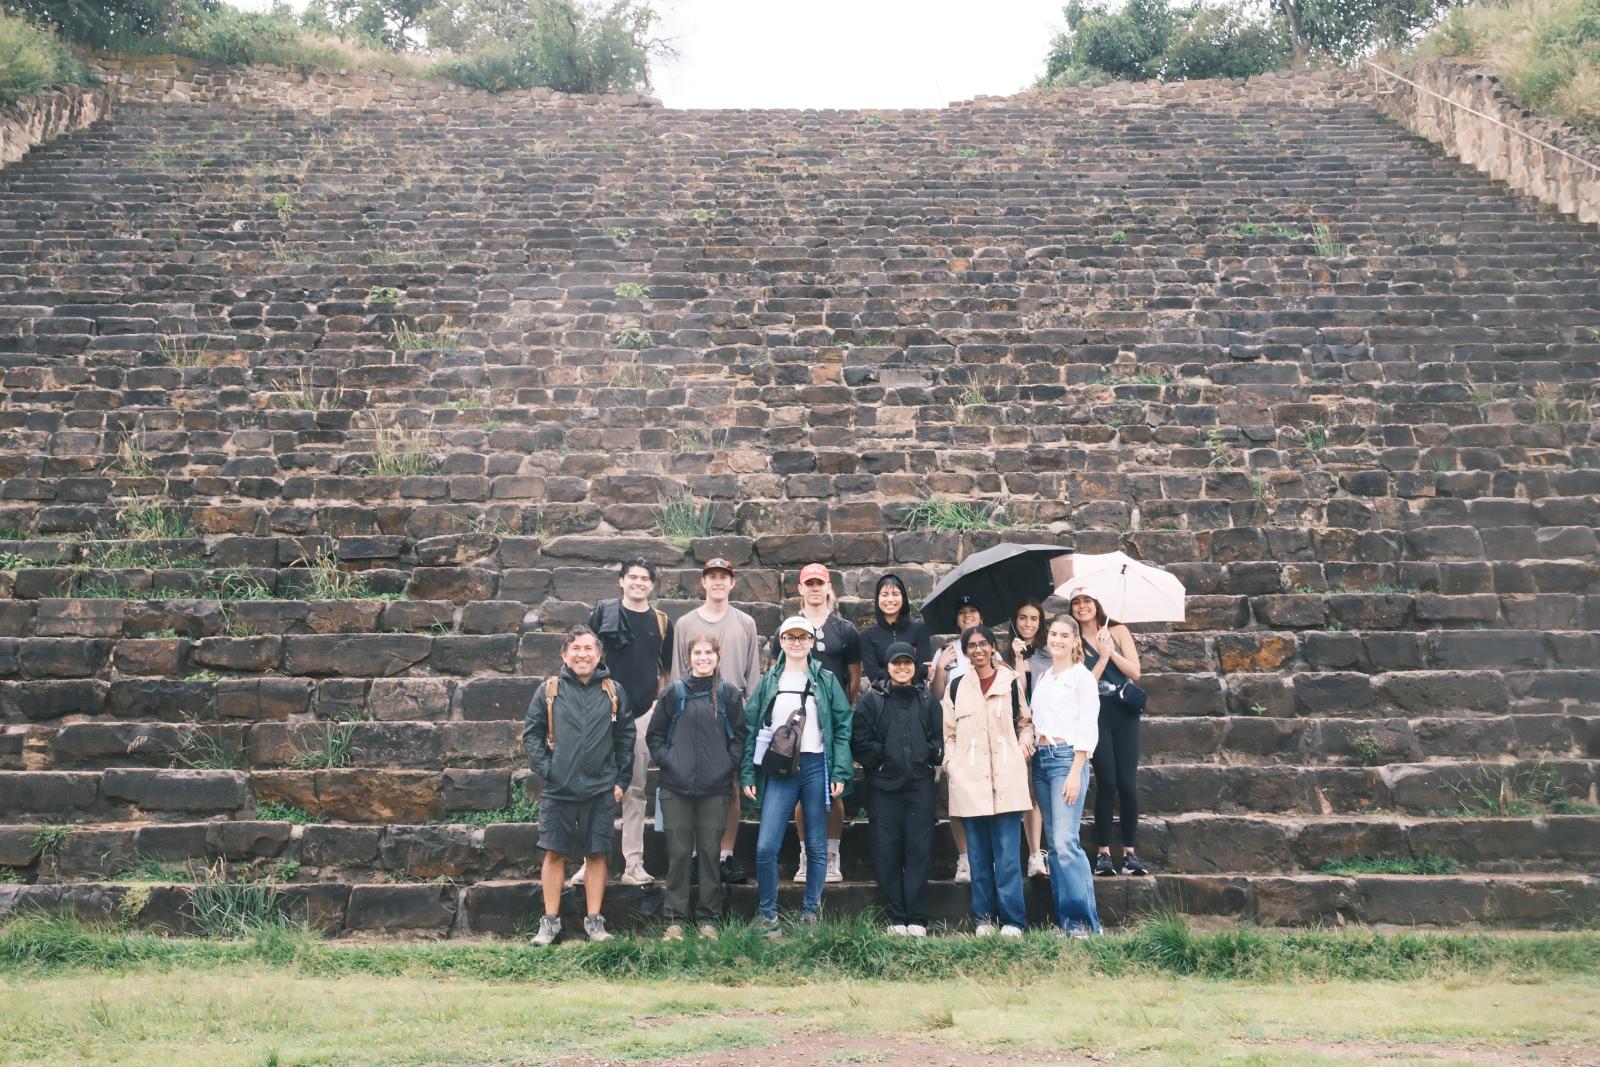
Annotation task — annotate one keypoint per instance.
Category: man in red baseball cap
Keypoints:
(838, 648)
(740, 666)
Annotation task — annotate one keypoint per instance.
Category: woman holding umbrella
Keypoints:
(1113, 659)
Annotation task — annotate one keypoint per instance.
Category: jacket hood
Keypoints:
(905, 610)
(566, 675)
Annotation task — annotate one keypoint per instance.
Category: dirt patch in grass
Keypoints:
(812, 1049)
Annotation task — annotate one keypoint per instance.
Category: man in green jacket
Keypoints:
(582, 748)
(799, 690)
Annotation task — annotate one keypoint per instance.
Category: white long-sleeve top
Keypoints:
(1066, 707)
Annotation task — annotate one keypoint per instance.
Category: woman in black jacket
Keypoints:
(899, 740)
(696, 738)
(892, 606)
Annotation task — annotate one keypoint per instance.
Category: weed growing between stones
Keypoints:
(133, 460)
(177, 350)
(409, 339)
(1327, 247)
(399, 453)
(1222, 454)
(203, 752)
(151, 522)
(273, 811)
(332, 746)
(521, 809)
(634, 338)
(237, 583)
(1549, 407)
(1504, 791)
(630, 291)
(634, 373)
(149, 869)
(304, 396)
(681, 520)
(47, 840)
(942, 513)
(1369, 750)
(229, 910)
(1427, 863)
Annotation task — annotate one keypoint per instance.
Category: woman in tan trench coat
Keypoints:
(988, 738)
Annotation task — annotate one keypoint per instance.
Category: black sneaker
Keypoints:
(732, 873)
(1103, 865)
(1131, 864)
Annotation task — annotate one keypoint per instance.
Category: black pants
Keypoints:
(902, 848)
(1116, 766)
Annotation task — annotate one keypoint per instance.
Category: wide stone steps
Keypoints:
(510, 908)
(397, 743)
(1368, 661)
(1183, 844)
(381, 794)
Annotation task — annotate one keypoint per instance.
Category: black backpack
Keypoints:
(680, 693)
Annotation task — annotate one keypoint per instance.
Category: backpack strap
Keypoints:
(661, 624)
(1016, 706)
(550, 685)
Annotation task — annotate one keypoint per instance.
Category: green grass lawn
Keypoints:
(1158, 995)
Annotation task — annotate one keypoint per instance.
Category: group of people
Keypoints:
(1012, 728)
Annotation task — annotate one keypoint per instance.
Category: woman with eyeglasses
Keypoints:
(988, 739)
(796, 687)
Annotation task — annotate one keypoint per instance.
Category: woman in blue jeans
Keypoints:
(796, 686)
(1066, 725)
(988, 737)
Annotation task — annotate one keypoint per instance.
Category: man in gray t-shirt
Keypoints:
(740, 666)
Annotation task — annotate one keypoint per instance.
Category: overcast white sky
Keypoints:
(845, 53)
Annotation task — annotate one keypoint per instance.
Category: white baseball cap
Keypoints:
(797, 622)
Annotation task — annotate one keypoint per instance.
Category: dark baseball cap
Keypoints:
(717, 563)
(900, 650)
(968, 601)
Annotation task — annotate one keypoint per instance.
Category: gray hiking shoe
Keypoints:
(594, 927)
(549, 930)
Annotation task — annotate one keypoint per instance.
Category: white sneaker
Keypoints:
(1037, 867)
(1010, 931)
(636, 875)
(577, 878)
(897, 930)
(800, 871)
(985, 930)
(916, 930)
(834, 873)
(963, 870)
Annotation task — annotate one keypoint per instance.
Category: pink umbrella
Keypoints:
(1128, 590)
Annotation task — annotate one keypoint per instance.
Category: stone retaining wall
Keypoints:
(46, 116)
(169, 79)
(1534, 169)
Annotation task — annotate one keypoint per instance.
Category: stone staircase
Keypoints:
(317, 431)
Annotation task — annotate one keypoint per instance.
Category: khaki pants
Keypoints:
(633, 801)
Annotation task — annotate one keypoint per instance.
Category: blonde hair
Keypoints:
(1075, 633)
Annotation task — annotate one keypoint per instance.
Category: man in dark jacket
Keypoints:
(899, 741)
(636, 644)
(579, 739)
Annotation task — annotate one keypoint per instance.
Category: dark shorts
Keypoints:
(577, 827)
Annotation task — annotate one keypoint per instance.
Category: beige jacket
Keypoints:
(987, 761)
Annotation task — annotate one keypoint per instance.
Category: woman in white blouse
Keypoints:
(1066, 723)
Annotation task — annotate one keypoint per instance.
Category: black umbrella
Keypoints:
(1001, 578)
